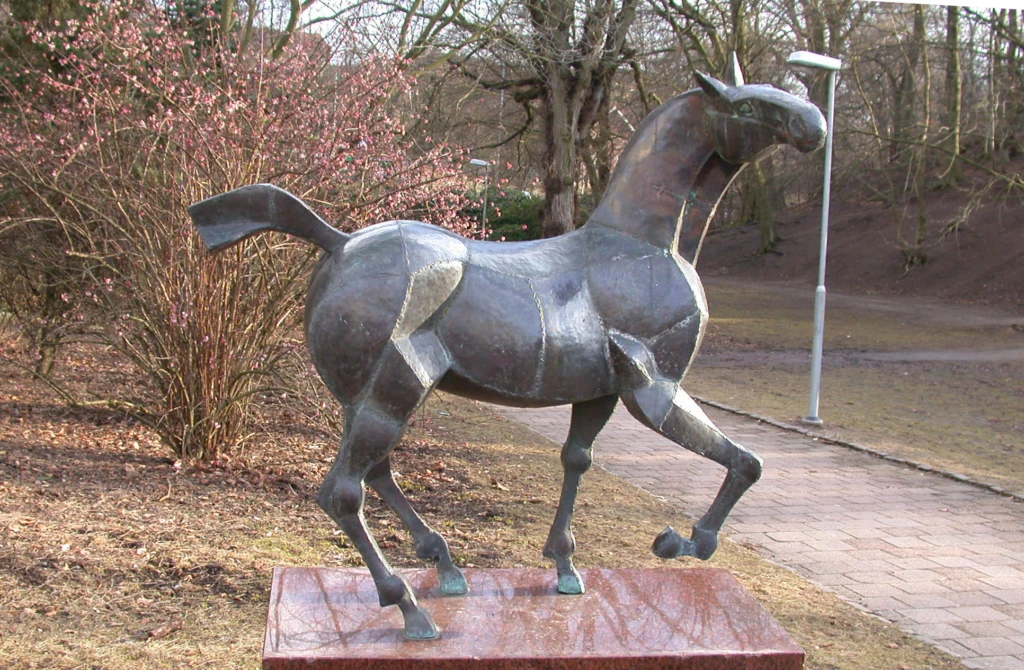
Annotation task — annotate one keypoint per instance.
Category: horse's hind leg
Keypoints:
(588, 418)
(373, 424)
(429, 543)
(666, 408)
(369, 436)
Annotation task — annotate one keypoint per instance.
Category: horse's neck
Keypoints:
(711, 183)
(668, 180)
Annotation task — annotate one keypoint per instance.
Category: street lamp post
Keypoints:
(832, 65)
(487, 184)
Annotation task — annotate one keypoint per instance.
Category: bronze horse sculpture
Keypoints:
(613, 310)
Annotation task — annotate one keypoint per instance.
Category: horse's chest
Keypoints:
(657, 299)
(648, 296)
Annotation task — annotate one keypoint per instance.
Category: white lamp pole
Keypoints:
(832, 65)
(487, 183)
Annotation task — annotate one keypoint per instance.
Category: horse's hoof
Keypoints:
(419, 625)
(453, 582)
(705, 542)
(570, 583)
(670, 544)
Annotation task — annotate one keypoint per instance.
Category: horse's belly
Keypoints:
(525, 341)
(493, 332)
(575, 362)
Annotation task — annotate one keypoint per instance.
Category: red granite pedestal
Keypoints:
(697, 619)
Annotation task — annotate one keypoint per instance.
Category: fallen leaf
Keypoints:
(165, 630)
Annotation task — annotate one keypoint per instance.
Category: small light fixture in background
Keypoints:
(486, 165)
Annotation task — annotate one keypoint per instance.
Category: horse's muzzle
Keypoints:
(807, 129)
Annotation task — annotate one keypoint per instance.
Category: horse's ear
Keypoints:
(712, 87)
(733, 73)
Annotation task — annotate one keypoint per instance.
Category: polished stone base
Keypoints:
(699, 619)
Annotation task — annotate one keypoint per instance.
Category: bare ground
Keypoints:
(112, 556)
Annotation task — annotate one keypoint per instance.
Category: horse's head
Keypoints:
(745, 121)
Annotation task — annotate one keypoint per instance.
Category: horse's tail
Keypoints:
(226, 219)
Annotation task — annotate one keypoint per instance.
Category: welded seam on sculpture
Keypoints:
(538, 377)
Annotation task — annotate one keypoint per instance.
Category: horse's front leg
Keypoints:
(588, 418)
(666, 408)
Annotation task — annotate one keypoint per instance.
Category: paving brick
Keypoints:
(1015, 612)
(874, 590)
(916, 563)
(1008, 596)
(788, 536)
(913, 542)
(934, 632)
(956, 649)
(921, 588)
(986, 629)
(974, 598)
(1001, 571)
(829, 545)
(992, 646)
(954, 561)
(995, 663)
(829, 567)
(882, 604)
(979, 613)
(1007, 583)
(917, 576)
(933, 615)
(997, 559)
(927, 600)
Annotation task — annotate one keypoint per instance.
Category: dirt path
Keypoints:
(921, 310)
(847, 358)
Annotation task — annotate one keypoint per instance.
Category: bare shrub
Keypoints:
(132, 122)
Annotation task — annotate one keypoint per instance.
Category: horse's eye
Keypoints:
(745, 109)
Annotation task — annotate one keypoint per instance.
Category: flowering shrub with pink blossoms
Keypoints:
(125, 121)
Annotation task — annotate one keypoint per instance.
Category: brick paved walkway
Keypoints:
(943, 559)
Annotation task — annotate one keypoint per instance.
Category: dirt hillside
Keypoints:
(982, 262)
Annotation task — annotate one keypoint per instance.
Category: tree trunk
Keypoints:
(598, 151)
(757, 206)
(954, 86)
(575, 66)
(560, 161)
(906, 89)
(915, 253)
(1014, 109)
